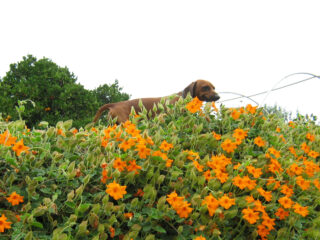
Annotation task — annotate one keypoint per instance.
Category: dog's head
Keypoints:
(202, 89)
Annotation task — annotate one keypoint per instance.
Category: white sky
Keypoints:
(155, 48)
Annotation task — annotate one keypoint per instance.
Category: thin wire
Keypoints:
(272, 89)
(239, 94)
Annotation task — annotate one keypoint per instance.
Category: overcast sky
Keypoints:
(155, 48)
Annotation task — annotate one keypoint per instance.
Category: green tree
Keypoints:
(110, 93)
(55, 92)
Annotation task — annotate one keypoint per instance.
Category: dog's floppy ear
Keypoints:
(190, 89)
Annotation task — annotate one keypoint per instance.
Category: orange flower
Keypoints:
(112, 232)
(235, 167)
(294, 168)
(6, 139)
(119, 164)
(169, 162)
(198, 166)
(240, 133)
(286, 190)
(239, 182)
(266, 194)
(143, 151)
(228, 146)
(271, 180)
(104, 142)
(132, 130)
(173, 199)
(226, 202)
(281, 213)
(115, 190)
(282, 138)
(15, 199)
(305, 147)
(250, 184)
(200, 237)
(256, 172)
(303, 184)
(61, 133)
(133, 167)
(251, 109)
(285, 202)
(268, 222)
(19, 147)
(316, 183)
(221, 175)
(212, 204)
(292, 124)
(311, 168)
(250, 199)
(216, 136)
(263, 231)
(183, 210)
(219, 162)
(4, 224)
(275, 166)
(127, 144)
(128, 215)
(18, 218)
(235, 114)
(293, 151)
(214, 107)
(194, 105)
(192, 155)
(278, 129)
(75, 131)
(259, 141)
(274, 152)
(207, 175)
(104, 177)
(310, 137)
(303, 211)
(139, 193)
(250, 215)
(313, 154)
(165, 146)
(259, 207)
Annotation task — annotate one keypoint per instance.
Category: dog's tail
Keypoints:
(101, 110)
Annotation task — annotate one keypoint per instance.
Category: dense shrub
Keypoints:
(54, 91)
(230, 174)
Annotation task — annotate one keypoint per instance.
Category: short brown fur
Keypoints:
(202, 89)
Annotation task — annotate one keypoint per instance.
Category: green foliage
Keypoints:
(61, 177)
(54, 91)
(110, 93)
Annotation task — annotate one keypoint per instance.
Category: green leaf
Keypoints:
(37, 224)
(159, 229)
(71, 205)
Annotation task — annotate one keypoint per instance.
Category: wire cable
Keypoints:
(272, 89)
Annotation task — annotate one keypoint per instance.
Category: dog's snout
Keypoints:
(216, 97)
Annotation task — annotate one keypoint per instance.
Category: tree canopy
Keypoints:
(55, 92)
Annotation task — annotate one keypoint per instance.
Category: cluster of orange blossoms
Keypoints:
(236, 113)
(213, 203)
(195, 105)
(7, 140)
(14, 199)
(181, 206)
(252, 215)
(230, 145)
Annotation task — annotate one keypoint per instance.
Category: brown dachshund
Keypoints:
(202, 89)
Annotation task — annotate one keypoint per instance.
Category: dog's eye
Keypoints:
(206, 88)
